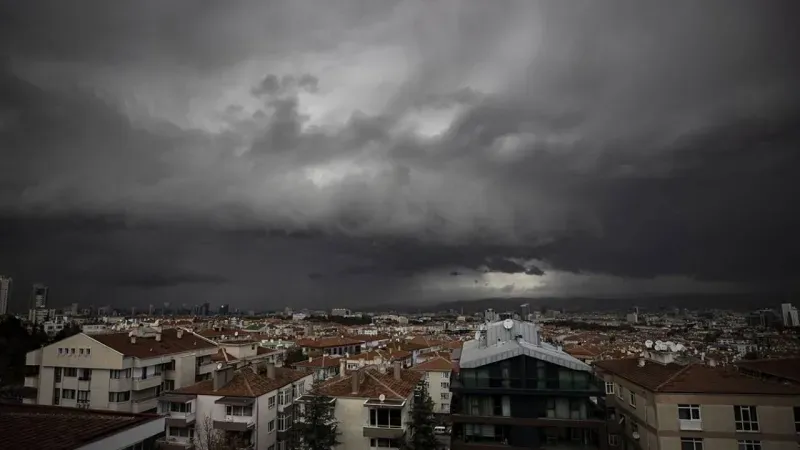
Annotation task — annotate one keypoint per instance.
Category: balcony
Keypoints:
(203, 369)
(140, 384)
(180, 419)
(119, 384)
(145, 404)
(174, 443)
(382, 431)
(235, 423)
(690, 424)
(120, 406)
(32, 382)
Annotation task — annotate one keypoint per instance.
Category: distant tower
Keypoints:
(525, 311)
(5, 293)
(39, 296)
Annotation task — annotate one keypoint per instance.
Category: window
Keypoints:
(445, 396)
(68, 394)
(797, 419)
(385, 418)
(613, 439)
(384, 443)
(746, 419)
(609, 390)
(72, 351)
(691, 444)
(58, 374)
(749, 445)
(632, 398)
(70, 372)
(83, 396)
(169, 385)
(88, 351)
(445, 385)
(115, 374)
(271, 426)
(86, 375)
(231, 410)
(283, 422)
(60, 351)
(446, 375)
(180, 407)
(181, 432)
(301, 389)
(80, 351)
(116, 397)
(689, 412)
(618, 390)
(271, 402)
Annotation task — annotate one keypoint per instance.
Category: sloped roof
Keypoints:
(436, 364)
(245, 383)
(148, 347)
(373, 384)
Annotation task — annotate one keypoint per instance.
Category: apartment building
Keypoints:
(252, 407)
(514, 391)
(330, 346)
(372, 405)
(660, 402)
(437, 373)
(322, 367)
(118, 371)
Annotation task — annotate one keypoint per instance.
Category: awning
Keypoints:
(236, 401)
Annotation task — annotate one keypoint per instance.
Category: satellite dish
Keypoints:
(679, 347)
(381, 398)
(236, 333)
(648, 343)
(219, 366)
(508, 324)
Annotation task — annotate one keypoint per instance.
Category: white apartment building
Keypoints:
(117, 371)
(250, 407)
(437, 379)
(372, 406)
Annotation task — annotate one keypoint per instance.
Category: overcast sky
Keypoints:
(324, 153)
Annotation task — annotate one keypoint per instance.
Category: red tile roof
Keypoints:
(34, 427)
(373, 383)
(245, 383)
(437, 364)
(327, 342)
(786, 368)
(320, 361)
(691, 378)
(148, 347)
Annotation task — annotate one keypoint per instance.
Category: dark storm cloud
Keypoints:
(155, 281)
(623, 138)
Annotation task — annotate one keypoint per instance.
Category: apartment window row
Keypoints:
(116, 397)
(180, 407)
(181, 432)
(749, 445)
(72, 351)
(244, 411)
(385, 418)
(117, 374)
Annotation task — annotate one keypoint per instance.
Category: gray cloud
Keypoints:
(624, 139)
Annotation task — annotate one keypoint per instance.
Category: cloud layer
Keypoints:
(627, 140)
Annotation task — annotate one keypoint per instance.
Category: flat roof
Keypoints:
(34, 427)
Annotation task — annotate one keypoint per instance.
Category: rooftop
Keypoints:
(245, 383)
(785, 368)
(373, 383)
(34, 427)
(328, 342)
(437, 364)
(691, 378)
(149, 347)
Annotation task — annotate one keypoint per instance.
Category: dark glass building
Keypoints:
(513, 391)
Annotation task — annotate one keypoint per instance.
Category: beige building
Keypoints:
(437, 379)
(373, 405)
(657, 403)
(250, 407)
(119, 371)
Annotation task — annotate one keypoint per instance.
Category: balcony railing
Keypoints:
(152, 381)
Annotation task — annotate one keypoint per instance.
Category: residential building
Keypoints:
(251, 407)
(437, 379)
(37, 427)
(117, 371)
(5, 294)
(514, 391)
(372, 405)
(340, 312)
(662, 401)
(322, 367)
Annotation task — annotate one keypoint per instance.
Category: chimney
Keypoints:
(354, 382)
(133, 339)
(397, 371)
(221, 377)
(271, 371)
(342, 367)
(158, 337)
(180, 333)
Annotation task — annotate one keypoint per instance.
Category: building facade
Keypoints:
(514, 391)
(437, 372)
(658, 402)
(117, 371)
(5, 294)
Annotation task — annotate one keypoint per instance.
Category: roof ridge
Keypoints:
(383, 384)
(672, 377)
(247, 384)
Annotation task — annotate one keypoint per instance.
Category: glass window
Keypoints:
(689, 412)
(749, 445)
(691, 444)
(746, 418)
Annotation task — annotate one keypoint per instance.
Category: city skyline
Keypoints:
(271, 154)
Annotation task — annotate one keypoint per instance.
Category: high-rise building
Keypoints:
(5, 294)
(525, 311)
(205, 309)
(223, 310)
(514, 391)
(789, 315)
(39, 296)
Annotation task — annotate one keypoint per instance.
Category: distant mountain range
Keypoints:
(738, 302)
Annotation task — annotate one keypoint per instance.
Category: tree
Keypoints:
(294, 355)
(315, 426)
(208, 438)
(420, 430)
(15, 343)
